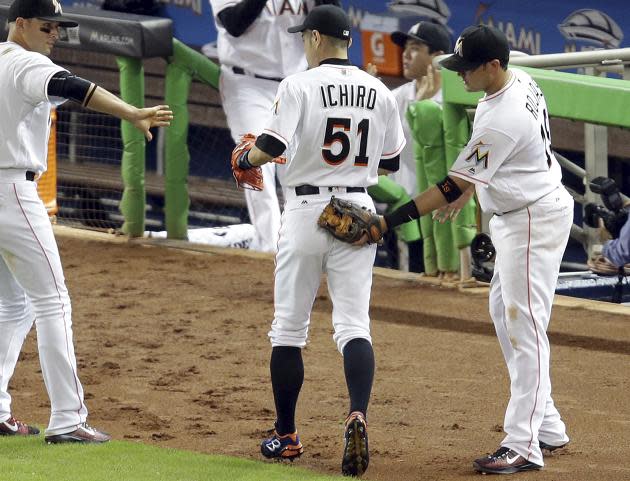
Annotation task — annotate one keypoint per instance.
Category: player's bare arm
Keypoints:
(259, 157)
(439, 195)
(452, 210)
(65, 85)
(143, 119)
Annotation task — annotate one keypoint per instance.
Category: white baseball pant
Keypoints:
(32, 288)
(305, 252)
(530, 243)
(247, 102)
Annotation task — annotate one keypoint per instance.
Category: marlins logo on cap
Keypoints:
(458, 47)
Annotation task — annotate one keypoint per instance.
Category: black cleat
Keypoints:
(504, 461)
(356, 456)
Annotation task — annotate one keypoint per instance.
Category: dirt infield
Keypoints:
(172, 350)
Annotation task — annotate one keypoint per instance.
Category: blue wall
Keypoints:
(534, 26)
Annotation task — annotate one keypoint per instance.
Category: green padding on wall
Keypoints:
(456, 134)
(184, 65)
(393, 194)
(597, 100)
(132, 204)
(177, 156)
(425, 121)
(196, 64)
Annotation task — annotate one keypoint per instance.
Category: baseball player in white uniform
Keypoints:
(516, 176)
(32, 286)
(338, 126)
(256, 53)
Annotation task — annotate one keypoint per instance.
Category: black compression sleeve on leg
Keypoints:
(403, 214)
(67, 86)
(358, 365)
(238, 18)
(287, 376)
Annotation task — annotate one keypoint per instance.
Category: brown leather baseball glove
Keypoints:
(251, 178)
(246, 178)
(348, 221)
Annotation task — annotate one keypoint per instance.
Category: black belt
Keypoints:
(307, 189)
(30, 175)
(240, 71)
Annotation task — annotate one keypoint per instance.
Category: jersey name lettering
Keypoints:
(344, 95)
(533, 98)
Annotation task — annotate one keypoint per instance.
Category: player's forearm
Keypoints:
(106, 102)
(431, 199)
(237, 19)
(257, 157)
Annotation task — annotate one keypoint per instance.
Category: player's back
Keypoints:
(349, 122)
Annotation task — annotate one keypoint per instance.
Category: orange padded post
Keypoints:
(47, 184)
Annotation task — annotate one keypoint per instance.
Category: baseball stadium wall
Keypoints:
(89, 146)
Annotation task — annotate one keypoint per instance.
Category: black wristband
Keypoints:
(403, 214)
(243, 161)
(450, 190)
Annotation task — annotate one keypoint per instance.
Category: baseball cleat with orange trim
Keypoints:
(279, 447)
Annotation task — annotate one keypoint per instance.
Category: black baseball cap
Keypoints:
(43, 9)
(434, 35)
(477, 45)
(328, 20)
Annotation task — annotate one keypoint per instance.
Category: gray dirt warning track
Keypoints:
(172, 350)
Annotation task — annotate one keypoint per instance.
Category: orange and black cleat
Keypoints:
(279, 447)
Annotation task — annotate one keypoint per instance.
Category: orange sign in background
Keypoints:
(379, 50)
(47, 183)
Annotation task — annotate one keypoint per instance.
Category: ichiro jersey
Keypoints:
(25, 123)
(265, 48)
(338, 123)
(509, 156)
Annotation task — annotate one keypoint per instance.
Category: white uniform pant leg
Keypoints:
(302, 249)
(16, 319)
(247, 103)
(31, 254)
(349, 271)
(529, 244)
(264, 211)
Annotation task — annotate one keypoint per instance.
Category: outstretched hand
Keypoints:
(158, 116)
(452, 210)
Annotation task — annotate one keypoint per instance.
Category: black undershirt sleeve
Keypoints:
(392, 164)
(238, 18)
(270, 145)
(67, 86)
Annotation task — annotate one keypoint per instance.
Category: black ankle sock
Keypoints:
(287, 375)
(358, 364)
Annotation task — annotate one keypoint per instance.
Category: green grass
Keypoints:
(30, 459)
